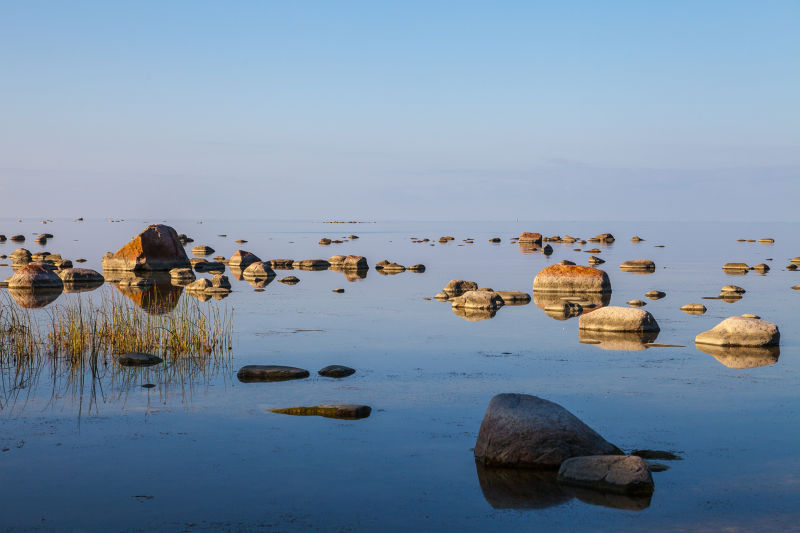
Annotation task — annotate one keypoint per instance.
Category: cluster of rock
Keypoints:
(473, 303)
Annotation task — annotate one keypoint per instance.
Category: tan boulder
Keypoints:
(155, 248)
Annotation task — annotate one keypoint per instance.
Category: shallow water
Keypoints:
(201, 452)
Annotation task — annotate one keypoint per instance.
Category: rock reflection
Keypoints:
(351, 274)
(742, 357)
(236, 272)
(562, 306)
(474, 315)
(157, 298)
(85, 286)
(257, 283)
(508, 488)
(618, 340)
(34, 298)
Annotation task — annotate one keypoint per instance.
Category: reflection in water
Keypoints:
(618, 340)
(156, 299)
(257, 283)
(742, 356)
(236, 272)
(564, 305)
(351, 274)
(84, 286)
(474, 315)
(206, 296)
(509, 488)
(34, 298)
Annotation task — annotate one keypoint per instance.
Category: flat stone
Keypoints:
(638, 265)
(342, 411)
(655, 295)
(636, 303)
(259, 373)
(418, 268)
(626, 474)
(736, 267)
(457, 287)
(615, 318)
(694, 309)
(80, 275)
(741, 331)
(514, 297)
(138, 359)
(289, 280)
(202, 250)
(525, 431)
(732, 289)
(336, 371)
(258, 270)
(339, 291)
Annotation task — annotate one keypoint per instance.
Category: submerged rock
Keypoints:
(138, 359)
(34, 298)
(615, 318)
(342, 411)
(571, 279)
(336, 371)
(156, 248)
(741, 331)
(638, 265)
(525, 431)
(627, 341)
(311, 264)
(624, 474)
(260, 373)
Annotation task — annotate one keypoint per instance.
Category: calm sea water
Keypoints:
(201, 451)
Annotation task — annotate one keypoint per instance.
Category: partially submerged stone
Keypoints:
(623, 474)
(262, 373)
(761, 268)
(183, 274)
(281, 264)
(138, 359)
(636, 303)
(418, 268)
(80, 275)
(258, 270)
(289, 280)
(471, 314)
(655, 294)
(530, 238)
(202, 250)
(694, 309)
(336, 371)
(35, 276)
(478, 300)
(523, 431)
(457, 287)
(156, 248)
(742, 268)
(638, 265)
(514, 297)
(603, 237)
(341, 411)
(594, 260)
(571, 279)
(242, 259)
(732, 289)
(741, 331)
(615, 318)
(311, 264)
(355, 262)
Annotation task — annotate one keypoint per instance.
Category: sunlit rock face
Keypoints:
(156, 248)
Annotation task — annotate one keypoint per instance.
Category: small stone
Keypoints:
(736, 267)
(202, 250)
(732, 289)
(636, 239)
(457, 287)
(324, 241)
(565, 262)
(138, 359)
(336, 371)
(495, 239)
(341, 411)
(655, 295)
(478, 300)
(749, 315)
(694, 309)
(638, 265)
(762, 268)
(594, 260)
(791, 266)
(626, 474)
(547, 250)
(637, 303)
(289, 280)
(338, 291)
(614, 318)
(263, 373)
(418, 268)
(766, 241)
(514, 297)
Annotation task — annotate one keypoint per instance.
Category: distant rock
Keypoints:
(636, 239)
(156, 248)
(311, 264)
(523, 431)
(736, 267)
(281, 264)
(341, 411)
(741, 331)
(636, 303)
(260, 373)
(418, 268)
(594, 260)
(202, 250)
(336, 371)
(622, 474)
(694, 309)
(530, 238)
(638, 265)
(603, 237)
(17, 238)
(732, 289)
(355, 262)
(655, 294)
(138, 359)
(615, 318)
(324, 241)
(762, 268)
(289, 280)
(766, 241)
(338, 291)
(392, 268)
(80, 275)
(495, 239)
(566, 262)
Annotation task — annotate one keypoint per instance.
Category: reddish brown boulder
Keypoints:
(156, 248)
(530, 238)
(571, 279)
(35, 276)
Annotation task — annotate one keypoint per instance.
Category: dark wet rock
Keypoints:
(457, 287)
(183, 239)
(311, 264)
(636, 303)
(258, 270)
(571, 279)
(17, 238)
(138, 359)
(258, 373)
(530, 238)
(80, 275)
(791, 266)
(474, 315)
(35, 276)
(603, 237)
(281, 264)
(242, 259)
(638, 265)
(662, 455)
(742, 357)
(594, 260)
(736, 267)
(478, 300)
(694, 309)
(655, 295)
(495, 239)
(615, 318)
(418, 268)
(623, 474)
(209, 266)
(342, 411)
(514, 297)
(156, 248)
(657, 467)
(626, 341)
(202, 250)
(289, 280)
(741, 331)
(338, 291)
(525, 431)
(336, 371)
(240, 241)
(2, 238)
(547, 250)
(566, 262)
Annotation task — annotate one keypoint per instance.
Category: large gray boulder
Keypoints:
(623, 474)
(741, 331)
(613, 318)
(523, 431)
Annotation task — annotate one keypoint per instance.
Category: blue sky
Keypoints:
(392, 110)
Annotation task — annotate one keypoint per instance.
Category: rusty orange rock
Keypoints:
(535, 238)
(156, 248)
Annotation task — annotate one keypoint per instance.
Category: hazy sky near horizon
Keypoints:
(400, 110)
